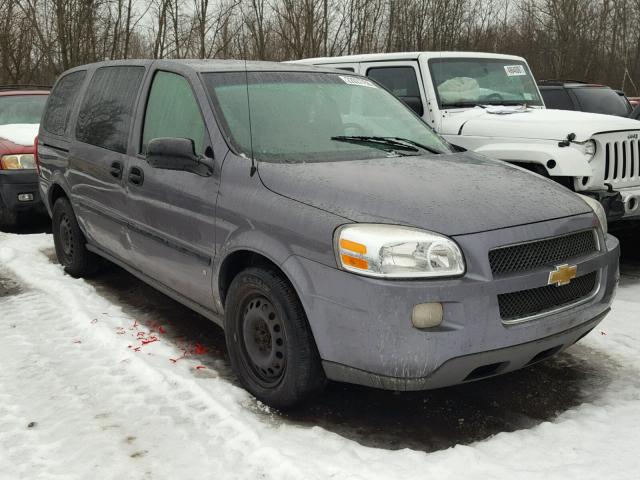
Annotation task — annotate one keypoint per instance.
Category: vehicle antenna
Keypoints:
(254, 168)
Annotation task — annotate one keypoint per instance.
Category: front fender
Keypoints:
(569, 162)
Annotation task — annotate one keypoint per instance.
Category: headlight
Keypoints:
(18, 161)
(389, 251)
(598, 209)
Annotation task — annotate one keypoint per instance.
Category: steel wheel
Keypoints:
(70, 242)
(263, 341)
(66, 237)
(269, 341)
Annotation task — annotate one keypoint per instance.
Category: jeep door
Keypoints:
(172, 213)
(97, 158)
(402, 78)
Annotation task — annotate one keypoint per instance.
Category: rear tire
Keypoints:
(270, 344)
(70, 242)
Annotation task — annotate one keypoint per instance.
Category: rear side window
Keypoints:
(601, 100)
(172, 111)
(107, 110)
(557, 98)
(61, 102)
(402, 82)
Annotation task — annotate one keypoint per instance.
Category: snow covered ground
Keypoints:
(109, 379)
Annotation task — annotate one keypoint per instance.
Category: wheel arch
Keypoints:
(241, 259)
(57, 191)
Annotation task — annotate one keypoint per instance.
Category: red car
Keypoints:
(20, 112)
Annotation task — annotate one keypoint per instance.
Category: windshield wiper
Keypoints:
(460, 104)
(507, 103)
(383, 143)
(416, 144)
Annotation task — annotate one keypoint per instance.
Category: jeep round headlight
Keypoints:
(599, 211)
(389, 251)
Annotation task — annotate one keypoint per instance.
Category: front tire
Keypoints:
(270, 344)
(70, 242)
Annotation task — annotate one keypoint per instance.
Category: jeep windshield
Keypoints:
(309, 116)
(468, 82)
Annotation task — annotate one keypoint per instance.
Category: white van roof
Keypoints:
(375, 57)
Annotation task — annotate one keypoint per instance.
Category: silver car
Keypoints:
(317, 219)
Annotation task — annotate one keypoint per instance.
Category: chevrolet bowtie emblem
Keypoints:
(562, 275)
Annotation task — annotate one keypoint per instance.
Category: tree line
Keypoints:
(591, 40)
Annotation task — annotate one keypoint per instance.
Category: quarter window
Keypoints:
(107, 110)
(402, 82)
(172, 111)
(557, 98)
(61, 101)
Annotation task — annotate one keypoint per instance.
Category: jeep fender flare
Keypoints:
(569, 162)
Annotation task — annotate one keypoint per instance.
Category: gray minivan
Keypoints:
(327, 228)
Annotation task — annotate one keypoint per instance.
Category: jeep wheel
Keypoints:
(270, 344)
(70, 242)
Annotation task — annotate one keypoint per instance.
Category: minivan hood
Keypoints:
(534, 123)
(452, 194)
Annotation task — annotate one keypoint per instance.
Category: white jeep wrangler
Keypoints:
(490, 104)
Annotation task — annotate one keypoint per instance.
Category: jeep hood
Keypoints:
(533, 123)
(452, 194)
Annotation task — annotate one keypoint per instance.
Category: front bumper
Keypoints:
(363, 329)
(16, 182)
(615, 205)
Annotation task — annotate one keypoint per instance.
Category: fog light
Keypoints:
(25, 197)
(427, 315)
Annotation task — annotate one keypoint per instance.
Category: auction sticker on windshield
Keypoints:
(362, 82)
(514, 70)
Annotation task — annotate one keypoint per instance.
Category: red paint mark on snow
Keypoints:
(199, 349)
(184, 355)
(161, 330)
(603, 332)
(200, 367)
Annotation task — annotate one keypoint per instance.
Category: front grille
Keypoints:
(526, 303)
(550, 251)
(622, 160)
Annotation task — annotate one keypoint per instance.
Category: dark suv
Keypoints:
(20, 111)
(584, 97)
(313, 215)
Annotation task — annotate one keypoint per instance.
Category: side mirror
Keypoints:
(177, 154)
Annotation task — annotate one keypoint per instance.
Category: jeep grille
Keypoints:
(621, 160)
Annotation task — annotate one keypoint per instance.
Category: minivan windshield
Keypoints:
(309, 116)
(21, 108)
(467, 82)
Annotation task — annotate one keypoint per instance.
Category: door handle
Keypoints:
(116, 170)
(136, 176)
